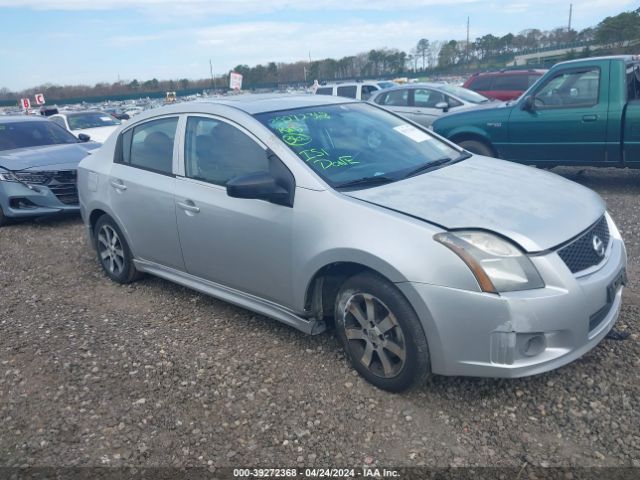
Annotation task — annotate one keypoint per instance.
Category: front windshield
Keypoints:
(464, 94)
(79, 121)
(33, 134)
(347, 142)
(386, 84)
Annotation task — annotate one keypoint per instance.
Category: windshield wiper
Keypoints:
(437, 163)
(375, 180)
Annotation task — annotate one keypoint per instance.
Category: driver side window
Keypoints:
(577, 88)
(215, 151)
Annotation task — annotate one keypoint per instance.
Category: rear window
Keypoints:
(481, 84)
(510, 82)
(395, 98)
(349, 91)
(149, 145)
(33, 134)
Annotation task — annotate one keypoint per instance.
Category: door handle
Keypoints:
(118, 185)
(189, 206)
(589, 118)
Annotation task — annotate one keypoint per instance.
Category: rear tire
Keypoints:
(113, 251)
(381, 334)
(477, 147)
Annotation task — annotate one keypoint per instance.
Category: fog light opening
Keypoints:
(534, 345)
(22, 204)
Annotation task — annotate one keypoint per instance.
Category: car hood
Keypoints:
(48, 156)
(97, 134)
(536, 209)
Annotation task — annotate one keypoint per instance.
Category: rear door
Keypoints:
(424, 101)
(483, 85)
(396, 100)
(141, 186)
(567, 123)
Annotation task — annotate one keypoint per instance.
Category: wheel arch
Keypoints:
(98, 211)
(323, 285)
(475, 135)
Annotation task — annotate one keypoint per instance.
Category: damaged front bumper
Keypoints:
(522, 333)
(48, 193)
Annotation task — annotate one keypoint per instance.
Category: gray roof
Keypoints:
(270, 102)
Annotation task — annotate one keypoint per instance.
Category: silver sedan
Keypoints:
(320, 211)
(424, 102)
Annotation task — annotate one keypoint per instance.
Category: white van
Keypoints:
(357, 90)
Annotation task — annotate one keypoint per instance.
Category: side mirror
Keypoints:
(83, 137)
(528, 104)
(444, 106)
(259, 185)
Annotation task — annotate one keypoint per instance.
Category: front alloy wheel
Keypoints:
(381, 333)
(374, 335)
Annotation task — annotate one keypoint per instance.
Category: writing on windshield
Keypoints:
(346, 142)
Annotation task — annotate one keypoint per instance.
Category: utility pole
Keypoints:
(466, 50)
(213, 82)
(570, 12)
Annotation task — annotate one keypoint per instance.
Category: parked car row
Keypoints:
(320, 210)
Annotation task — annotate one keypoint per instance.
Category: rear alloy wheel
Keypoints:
(381, 333)
(113, 252)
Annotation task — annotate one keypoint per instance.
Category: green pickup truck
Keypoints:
(581, 112)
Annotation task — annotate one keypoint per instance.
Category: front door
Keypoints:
(567, 122)
(141, 188)
(240, 243)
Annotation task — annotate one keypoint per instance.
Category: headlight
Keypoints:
(26, 177)
(7, 177)
(498, 265)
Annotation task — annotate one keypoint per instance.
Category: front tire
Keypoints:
(114, 253)
(381, 334)
(477, 147)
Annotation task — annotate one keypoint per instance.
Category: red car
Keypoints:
(503, 85)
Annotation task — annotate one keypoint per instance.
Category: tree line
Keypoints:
(428, 56)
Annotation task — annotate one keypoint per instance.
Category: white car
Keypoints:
(357, 90)
(98, 125)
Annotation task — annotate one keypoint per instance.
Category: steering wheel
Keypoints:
(538, 102)
(374, 139)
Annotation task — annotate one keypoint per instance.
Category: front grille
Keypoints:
(581, 254)
(62, 183)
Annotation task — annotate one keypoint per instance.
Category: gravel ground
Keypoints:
(152, 374)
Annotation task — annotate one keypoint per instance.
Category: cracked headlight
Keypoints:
(7, 177)
(497, 264)
(24, 177)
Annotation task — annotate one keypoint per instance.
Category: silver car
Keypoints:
(424, 102)
(319, 211)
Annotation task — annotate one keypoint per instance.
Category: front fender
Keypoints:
(306, 274)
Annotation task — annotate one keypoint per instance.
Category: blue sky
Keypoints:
(84, 42)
